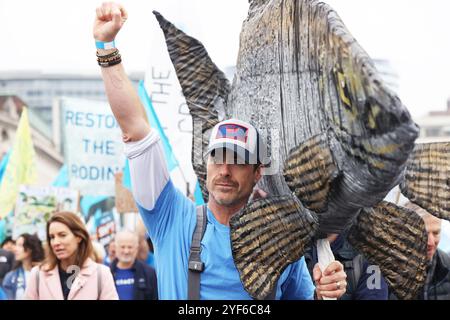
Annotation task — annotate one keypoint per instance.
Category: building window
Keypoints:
(4, 135)
(433, 132)
(34, 93)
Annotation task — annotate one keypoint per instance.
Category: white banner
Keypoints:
(167, 98)
(93, 146)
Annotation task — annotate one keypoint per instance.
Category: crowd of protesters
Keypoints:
(65, 266)
(31, 270)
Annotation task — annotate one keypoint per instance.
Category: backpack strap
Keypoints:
(351, 279)
(196, 266)
(357, 269)
(37, 281)
(99, 281)
(353, 268)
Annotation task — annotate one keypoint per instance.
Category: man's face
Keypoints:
(112, 250)
(229, 183)
(9, 246)
(126, 249)
(433, 226)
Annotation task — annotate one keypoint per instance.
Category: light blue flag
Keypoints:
(6, 225)
(62, 180)
(2, 230)
(87, 202)
(199, 201)
(172, 161)
(126, 179)
(3, 165)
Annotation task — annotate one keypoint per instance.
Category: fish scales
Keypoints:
(301, 75)
(204, 86)
(298, 56)
(268, 234)
(309, 171)
(393, 238)
(427, 178)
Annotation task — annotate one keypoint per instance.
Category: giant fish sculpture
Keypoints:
(344, 139)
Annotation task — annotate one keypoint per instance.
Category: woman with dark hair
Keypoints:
(28, 253)
(68, 272)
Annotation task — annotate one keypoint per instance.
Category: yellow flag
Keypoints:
(21, 168)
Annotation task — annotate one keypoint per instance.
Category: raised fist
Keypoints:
(108, 21)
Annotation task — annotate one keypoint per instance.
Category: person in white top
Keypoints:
(28, 253)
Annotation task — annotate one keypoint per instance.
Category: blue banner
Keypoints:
(62, 180)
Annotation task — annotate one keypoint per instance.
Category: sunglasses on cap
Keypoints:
(227, 156)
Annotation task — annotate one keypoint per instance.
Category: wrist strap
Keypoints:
(105, 45)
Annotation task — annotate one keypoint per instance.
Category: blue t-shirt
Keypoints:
(3, 294)
(171, 225)
(124, 279)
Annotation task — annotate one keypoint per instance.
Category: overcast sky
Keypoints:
(56, 36)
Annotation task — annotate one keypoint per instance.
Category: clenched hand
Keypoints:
(109, 20)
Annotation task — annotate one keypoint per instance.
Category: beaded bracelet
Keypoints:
(117, 57)
(110, 59)
(109, 63)
(110, 55)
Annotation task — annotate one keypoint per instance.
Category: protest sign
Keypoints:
(170, 106)
(106, 227)
(35, 205)
(93, 146)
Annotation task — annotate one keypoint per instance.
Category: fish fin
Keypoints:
(267, 236)
(309, 172)
(427, 178)
(204, 86)
(395, 239)
(374, 127)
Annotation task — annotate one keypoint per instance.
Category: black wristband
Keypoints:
(106, 64)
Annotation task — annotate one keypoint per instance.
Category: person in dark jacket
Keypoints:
(134, 279)
(8, 244)
(437, 284)
(6, 263)
(364, 281)
(110, 253)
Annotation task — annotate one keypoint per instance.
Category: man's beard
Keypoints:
(126, 260)
(226, 202)
(229, 202)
